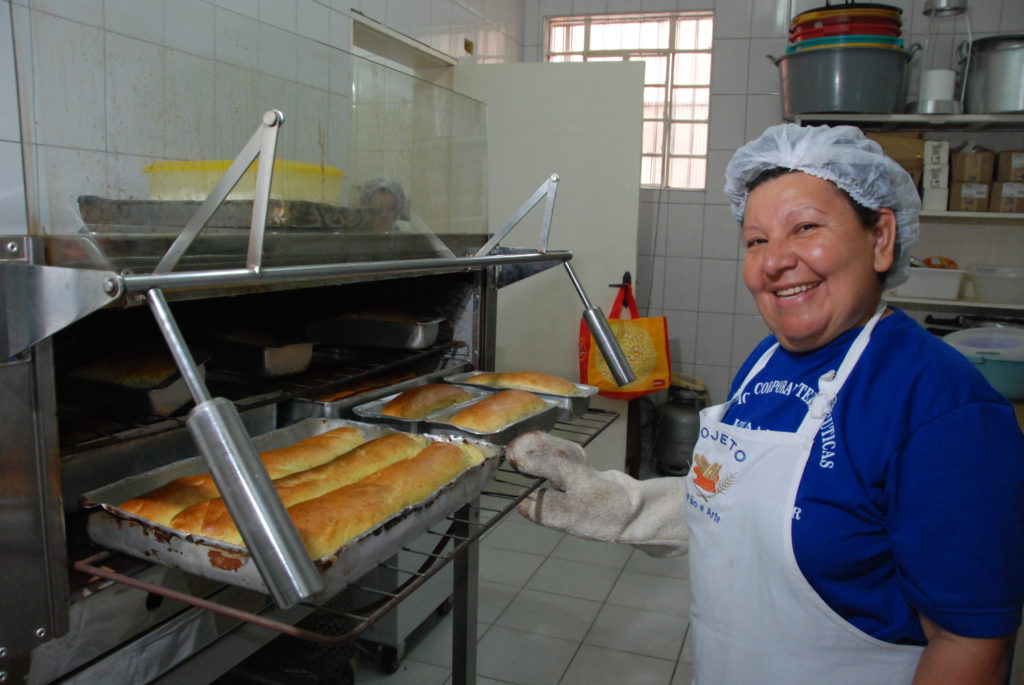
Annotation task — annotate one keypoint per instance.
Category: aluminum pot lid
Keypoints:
(1002, 343)
(1004, 41)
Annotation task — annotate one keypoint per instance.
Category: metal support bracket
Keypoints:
(37, 301)
(262, 144)
(547, 189)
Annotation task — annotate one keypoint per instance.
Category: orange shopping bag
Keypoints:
(645, 344)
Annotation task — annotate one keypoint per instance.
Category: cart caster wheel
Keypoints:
(445, 607)
(390, 659)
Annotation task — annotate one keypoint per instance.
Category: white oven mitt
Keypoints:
(600, 505)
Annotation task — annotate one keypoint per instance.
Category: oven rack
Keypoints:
(88, 427)
(459, 531)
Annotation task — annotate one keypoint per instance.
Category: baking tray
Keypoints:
(266, 359)
(350, 330)
(113, 528)
(569, 406)
(298, 408)
(543, 420)
(163, 399)
(370, 411)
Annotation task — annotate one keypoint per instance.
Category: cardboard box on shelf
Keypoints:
(935, 199)
(1010, 165)
(935, 176)
(968, 197)
(975, 166)
(901, 146)
(936, 152)
(1007, 197)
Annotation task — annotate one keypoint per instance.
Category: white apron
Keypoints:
(755, 618)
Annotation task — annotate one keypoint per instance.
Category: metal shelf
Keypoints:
(952, 122)
(961, 306)
(986, 216)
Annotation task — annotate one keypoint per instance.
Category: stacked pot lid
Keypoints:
(847, 25)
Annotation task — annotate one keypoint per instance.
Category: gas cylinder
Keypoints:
(678, 423)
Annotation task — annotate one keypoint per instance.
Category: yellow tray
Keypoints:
(194, 179)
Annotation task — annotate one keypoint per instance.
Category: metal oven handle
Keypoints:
(217, 429)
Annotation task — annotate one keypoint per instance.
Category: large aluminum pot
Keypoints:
(869, 80)
(995, 74)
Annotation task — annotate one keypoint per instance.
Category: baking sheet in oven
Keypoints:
(371, 411)
(297, 408)
(115, 529)
(370, 330)
(543, 420)
(570, 406)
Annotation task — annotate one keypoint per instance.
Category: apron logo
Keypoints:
(707, 478)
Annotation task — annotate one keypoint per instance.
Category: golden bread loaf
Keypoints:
(424, 400)
(325, 524)
(167, 501)
(498, 410)
(212, 519)
(141, 368)
(534, 381)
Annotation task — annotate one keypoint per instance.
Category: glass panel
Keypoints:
(654, 35)
(686, 34)
(654, 136)
(655, 68)
(610, 36)
(705, 33)
(605, 59)
(654, 102)
(689, 139)
(692, 69)
(650, 170)
(576, 35)
(147, 128)
(558, 40)
(691, 103)
(687, 172)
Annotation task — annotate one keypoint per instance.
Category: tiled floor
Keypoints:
(558, 610)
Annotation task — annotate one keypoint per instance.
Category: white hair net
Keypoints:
(381, 183)
(847, 158)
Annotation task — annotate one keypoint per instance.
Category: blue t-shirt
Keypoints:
(912, 499)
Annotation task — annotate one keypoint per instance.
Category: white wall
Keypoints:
(689, 247)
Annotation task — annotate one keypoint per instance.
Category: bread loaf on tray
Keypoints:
(325, 524)
(212, 519)
(424, 400)
(167, 501)
(498, 410)
(534, 381)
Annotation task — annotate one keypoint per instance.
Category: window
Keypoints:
(675, 48)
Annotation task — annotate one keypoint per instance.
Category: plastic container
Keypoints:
(934, 284)
(997, 283)
(998, 353)
(678, 425)
(869, 80)
(192, 180)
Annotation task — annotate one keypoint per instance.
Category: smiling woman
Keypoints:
(838, 528)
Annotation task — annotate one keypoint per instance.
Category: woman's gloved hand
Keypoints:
(600, 505)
